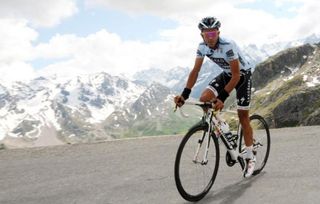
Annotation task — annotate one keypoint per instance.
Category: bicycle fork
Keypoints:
(205, 156)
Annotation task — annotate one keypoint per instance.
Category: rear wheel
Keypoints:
(195, 176)
(261, 141)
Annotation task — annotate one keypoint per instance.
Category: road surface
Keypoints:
(141, 171)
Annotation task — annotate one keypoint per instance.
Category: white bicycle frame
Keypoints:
(214, 120)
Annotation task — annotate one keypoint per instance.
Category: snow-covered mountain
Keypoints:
(168, 78)
(71, 110)
(176, 78)
(55, 110)
(257, 54)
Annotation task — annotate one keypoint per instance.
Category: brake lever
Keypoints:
(181, 112)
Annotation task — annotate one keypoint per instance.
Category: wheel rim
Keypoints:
(261, 141)
(196, 178)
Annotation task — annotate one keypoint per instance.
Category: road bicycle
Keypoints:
(198, 155)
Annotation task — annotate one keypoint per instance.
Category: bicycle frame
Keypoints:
(196, 167)
(213, 119)
(215, 123)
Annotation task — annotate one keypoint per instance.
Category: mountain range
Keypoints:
(89, 108)
(288, 87)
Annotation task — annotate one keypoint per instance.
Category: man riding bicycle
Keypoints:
(236, 74)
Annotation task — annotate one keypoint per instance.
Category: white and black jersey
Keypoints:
(224, 52)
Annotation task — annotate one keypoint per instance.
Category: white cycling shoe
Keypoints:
(250, 165)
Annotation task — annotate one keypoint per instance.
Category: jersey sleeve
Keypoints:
(201, 51)
(232, 52)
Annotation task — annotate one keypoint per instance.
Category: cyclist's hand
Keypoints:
(179, 101)
(218, 105)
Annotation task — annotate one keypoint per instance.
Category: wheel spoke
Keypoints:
(261, 136)
(193, 179)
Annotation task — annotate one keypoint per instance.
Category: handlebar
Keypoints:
(204, 105)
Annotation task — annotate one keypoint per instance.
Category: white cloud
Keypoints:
(38, 12)
(15, 70)
(244, 25)
(17, 36)
(308, 21)
(154, 7)
(16, 40)
(15, 49)
(104, 51)
(164, 8)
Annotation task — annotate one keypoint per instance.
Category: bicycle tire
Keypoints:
(264, 131)
(181, 188)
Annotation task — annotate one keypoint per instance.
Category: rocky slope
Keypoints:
(288, 87)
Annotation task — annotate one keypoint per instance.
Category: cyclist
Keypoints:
(236, 74)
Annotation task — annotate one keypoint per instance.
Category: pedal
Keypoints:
(230, 162)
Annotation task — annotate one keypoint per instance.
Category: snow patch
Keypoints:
(313, 81)
(100, 114)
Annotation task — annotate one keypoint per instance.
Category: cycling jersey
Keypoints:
(224, 52)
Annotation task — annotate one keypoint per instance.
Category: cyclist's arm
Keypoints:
(193, 76)
(235, 77)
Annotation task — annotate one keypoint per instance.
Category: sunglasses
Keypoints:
(211, 34)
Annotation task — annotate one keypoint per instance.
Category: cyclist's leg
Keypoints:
(245, 124)
(243, 101)
(214, 87)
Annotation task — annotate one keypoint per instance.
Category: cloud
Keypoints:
(163, 8)
(308, 21)
(245, 25)
(38, 12)
(16, 49)
(18, 22)
(105, 51)
(16, 40)
(15, 70)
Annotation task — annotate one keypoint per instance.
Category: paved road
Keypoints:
(141, 171)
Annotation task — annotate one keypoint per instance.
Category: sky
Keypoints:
(121, 37)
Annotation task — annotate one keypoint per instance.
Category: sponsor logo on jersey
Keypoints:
(230, 53)
(221, 62)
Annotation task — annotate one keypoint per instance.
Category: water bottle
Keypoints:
(226, 131)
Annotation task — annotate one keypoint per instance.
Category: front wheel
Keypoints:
(195, 172)
(261, 141)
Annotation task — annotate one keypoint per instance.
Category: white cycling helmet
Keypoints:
(209, 22)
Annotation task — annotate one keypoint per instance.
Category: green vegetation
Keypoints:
(170, 124)
(265, 104)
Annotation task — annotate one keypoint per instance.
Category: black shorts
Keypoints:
(243, 88)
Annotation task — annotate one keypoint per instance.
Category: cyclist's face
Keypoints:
(210, 36)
